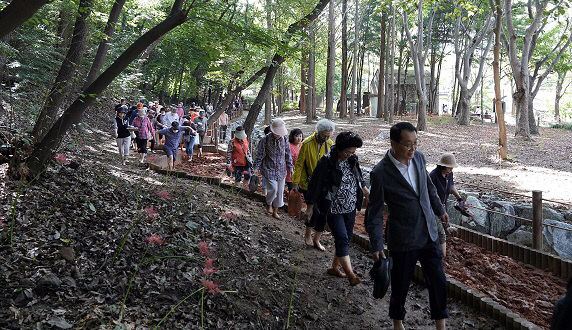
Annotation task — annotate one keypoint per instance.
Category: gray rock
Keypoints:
(559, 239)
(568, 215)
(454, 215)
(502, 225)
(480, 221)
(49, 281)
(521, 237)
(525, 211)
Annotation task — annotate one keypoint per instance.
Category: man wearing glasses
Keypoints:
(401, 181)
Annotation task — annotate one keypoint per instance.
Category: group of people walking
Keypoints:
(147, 125)
(329, 176)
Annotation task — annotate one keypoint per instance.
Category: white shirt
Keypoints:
(407, 171)
(170, 118)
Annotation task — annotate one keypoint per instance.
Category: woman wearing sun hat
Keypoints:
(442, 178)
(273, 159)
(238, 154)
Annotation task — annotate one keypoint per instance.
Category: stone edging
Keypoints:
(536, 258)
(470, 297)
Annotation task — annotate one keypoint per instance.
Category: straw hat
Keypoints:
(447, 160)
(278, 127)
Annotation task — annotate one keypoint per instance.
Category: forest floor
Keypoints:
(101, 245)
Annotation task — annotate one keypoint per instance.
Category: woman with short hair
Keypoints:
(337, 190)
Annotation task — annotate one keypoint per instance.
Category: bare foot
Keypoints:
(308, 238)
(319, 246)
(354, 280)
(336, 272)
(269, 209)
(275, 214)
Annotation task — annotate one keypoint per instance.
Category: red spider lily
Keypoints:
(155, 239)
(209, 268)
(204, 249)
(151, 213)
(211, 286)
(163, 194)
(62, 159)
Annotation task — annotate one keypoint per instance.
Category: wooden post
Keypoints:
(537, 219)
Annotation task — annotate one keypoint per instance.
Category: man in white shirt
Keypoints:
(223, 124)
(170, 117)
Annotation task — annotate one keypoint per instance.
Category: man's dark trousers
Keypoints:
(404, 262)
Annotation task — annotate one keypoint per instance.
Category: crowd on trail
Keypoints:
(147, 125)
(327, 176)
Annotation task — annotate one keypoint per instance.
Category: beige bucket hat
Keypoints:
(447, 160)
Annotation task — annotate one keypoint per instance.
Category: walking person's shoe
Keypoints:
(336, 272)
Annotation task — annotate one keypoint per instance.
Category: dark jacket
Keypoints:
(411, 221)
(121, 127)
(327, 178)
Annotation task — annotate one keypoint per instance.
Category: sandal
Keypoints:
(336, 272)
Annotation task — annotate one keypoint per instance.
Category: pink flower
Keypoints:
(164, 194)
(209, 268)
(204, 249)
(151, 213)
(155, 239)
(229, 215)
(211, 286)
(62, 159)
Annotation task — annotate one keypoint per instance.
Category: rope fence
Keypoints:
(511, 193)
(537, 218)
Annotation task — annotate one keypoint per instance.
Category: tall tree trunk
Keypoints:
(310, 101)
(466, 56)
(559, 94)
(18, 12)
(432, 63)
(403, 103)
(303, 83)
(392, 75)
(355, 56)
(360, 77)
(381, 80)
(399, 64)
(268, 101)
(497, 9)
(418, 56)
(386, 71)
(435, 91)
(276, 62)
(344, 91)
(44, 150)
(331, 65)
(104, 43)
(69, 66)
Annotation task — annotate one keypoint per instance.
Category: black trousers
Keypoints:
(431, 259)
